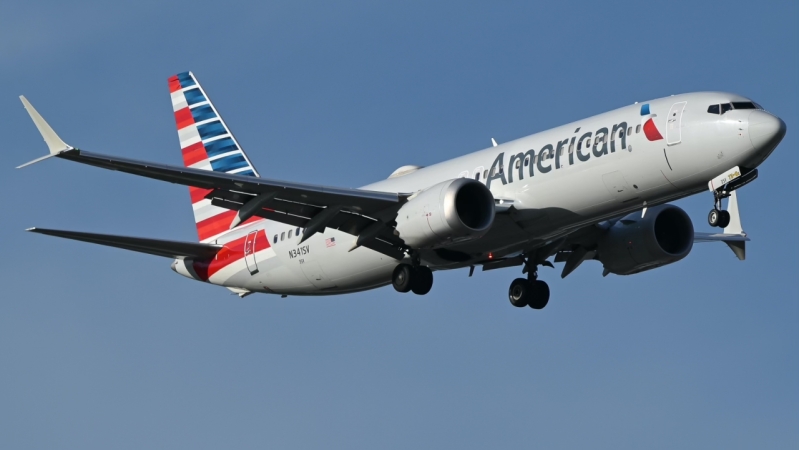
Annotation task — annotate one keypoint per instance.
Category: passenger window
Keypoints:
(713, 109)
(485, 174)
(275, 241)
(629, 131)
(282, 235)
(519, 163)
(297, 233)
(726, 107)
(637, 129)
(290, 233)
(526, 161)
(571, 148)
(477, 176)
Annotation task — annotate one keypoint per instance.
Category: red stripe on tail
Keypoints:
(174, 84)
(194, 154)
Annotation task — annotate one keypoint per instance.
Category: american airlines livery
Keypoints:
(596, 189)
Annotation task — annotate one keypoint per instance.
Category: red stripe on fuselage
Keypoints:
(651, 131)
(230, 253)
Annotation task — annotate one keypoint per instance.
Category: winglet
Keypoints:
(54, 143)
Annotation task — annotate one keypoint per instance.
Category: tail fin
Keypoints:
(207, 144)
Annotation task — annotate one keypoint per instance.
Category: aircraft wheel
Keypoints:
(714, 217)
(402, 277)
(421, 280)
(724, 219)
(519, 292)
(539, 295)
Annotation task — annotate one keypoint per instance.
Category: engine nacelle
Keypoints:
(449, 212)
(665, 235)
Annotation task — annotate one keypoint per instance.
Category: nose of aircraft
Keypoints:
(765, 130)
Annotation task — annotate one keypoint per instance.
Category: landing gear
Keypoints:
(408, 278)
(718, 218)
(532, 293)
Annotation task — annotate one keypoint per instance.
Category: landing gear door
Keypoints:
(674, 124)
(249, 253)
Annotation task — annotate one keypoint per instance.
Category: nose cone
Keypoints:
(765, 131)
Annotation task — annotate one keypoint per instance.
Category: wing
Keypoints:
(354, 211)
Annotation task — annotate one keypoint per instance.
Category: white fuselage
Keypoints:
(582, 173)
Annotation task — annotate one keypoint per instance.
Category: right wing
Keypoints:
(303, 205)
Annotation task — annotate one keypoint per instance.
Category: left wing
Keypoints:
(303, 205)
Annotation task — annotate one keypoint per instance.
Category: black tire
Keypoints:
(421, 280)
(402, 277)
(724, 219)
(519, 292)
(539, 295)
(713, 217)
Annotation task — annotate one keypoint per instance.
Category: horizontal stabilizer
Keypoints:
(158, 247)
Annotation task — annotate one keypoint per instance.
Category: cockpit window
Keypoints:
(724, 107)
(743, 105)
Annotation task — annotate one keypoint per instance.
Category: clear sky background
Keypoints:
(102, 348)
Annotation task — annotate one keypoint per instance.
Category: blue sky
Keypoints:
(102, 348)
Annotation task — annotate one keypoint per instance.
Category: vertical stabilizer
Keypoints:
(207, 144)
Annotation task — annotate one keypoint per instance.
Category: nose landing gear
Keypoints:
(718, 217)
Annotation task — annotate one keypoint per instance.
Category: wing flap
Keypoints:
(158, 247)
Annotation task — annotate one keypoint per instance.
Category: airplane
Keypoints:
(595, 189)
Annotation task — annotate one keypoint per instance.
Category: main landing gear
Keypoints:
(418, 279)
(530, 292)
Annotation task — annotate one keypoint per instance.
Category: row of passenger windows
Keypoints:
(285, 235)
(550, 155)
(724, 107)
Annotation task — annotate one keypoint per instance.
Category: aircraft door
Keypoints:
(249, 253)
(674, 123)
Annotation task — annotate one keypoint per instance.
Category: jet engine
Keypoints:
(634, 244)
(449, 212)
